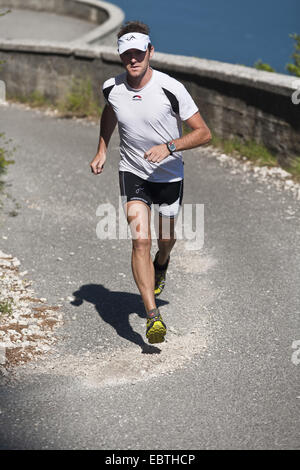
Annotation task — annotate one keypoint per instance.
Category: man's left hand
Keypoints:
(157, 153)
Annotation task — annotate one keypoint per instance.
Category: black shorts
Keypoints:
(166, 197)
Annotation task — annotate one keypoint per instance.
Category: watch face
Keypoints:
(171, 146)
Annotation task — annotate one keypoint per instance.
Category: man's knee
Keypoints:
(141, 246)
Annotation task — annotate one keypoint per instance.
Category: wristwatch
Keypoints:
(171, 146)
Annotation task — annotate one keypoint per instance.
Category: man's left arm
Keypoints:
(199, 135)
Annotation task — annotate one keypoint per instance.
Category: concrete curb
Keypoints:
(115, 19)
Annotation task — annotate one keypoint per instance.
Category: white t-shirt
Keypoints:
(146, 117)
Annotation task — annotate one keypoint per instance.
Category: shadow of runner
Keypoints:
(114, 308)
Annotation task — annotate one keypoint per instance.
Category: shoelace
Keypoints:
(152, 320)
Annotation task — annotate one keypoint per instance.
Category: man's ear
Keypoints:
(151, 52)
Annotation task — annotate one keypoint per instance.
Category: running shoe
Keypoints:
(160, 275)
(156, 329)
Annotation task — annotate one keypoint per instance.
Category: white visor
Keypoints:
(133, 41)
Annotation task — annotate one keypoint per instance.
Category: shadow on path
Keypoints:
(114, 308)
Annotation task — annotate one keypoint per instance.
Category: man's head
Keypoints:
(135, 48)
(134, 27)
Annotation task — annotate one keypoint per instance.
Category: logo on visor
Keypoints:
(131, 37)
(136, 97)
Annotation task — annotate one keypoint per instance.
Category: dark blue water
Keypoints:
(235, 31)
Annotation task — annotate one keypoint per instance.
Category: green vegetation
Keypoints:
(259, 154)
(259, 65)
(6, 307)
(36, 99)
(293, 167)
(80, 101)
(4, 12)
(250, 149)
(5, 155)
(294, 68)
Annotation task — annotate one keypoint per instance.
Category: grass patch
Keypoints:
(80, 100)
(293, 167)
(5, 155)
(36, 99)
(6, 307)
(251, 150)
(257, 153)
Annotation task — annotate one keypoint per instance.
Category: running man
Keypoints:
(149, 107)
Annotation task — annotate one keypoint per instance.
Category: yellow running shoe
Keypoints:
(156, 329)
(160, 275)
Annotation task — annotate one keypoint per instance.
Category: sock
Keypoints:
(161, 267)
(152, 313)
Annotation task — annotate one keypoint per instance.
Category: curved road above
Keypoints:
(26, 24)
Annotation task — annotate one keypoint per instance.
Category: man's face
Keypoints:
(136, 62)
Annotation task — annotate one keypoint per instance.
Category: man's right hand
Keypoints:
(97, 164)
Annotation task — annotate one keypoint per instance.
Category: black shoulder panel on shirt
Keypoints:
(173, 100)
(107, 91)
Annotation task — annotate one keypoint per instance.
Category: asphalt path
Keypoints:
(224, 379)
(26, 24)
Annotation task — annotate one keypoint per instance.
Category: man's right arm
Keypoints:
(107, 125)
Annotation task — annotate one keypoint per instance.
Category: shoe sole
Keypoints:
(157, 333)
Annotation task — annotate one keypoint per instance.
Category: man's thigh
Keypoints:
(134, 188)
(136, 204)
(167, 200)
(138, 215)
(137, 198)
